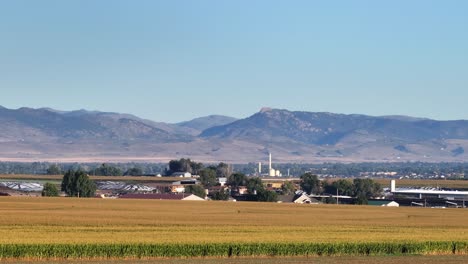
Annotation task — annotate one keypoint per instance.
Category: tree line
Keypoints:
(361, 189)
(77, 183)
(449, 169)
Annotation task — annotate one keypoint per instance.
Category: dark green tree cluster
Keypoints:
(184, 165)
(288, 188)
(208, 177)
(50, 190)
(236, 179)
(267, 196)
(78, 184)
(361, 189)
(310, 183)
(223, 170)
(255, 186)
(364, 189)
(106, 170)
(222, 195)
(187, 165)
(54, 170)
(135, 171)
(341, 186)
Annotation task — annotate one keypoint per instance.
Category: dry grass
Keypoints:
(71, 220)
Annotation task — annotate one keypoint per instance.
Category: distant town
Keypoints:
(184, 179)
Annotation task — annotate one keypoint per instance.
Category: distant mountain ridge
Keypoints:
(292, 136)
(203, 123)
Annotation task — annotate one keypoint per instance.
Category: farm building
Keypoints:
(182, 174)
(428, 192)
(384, 203)
(158, 196)
(304, 199)
(222, 181)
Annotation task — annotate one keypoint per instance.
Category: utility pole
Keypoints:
(337, 196)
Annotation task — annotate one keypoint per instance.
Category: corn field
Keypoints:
(139, 251)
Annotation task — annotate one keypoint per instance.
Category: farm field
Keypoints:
(297, 260)
(73, 220)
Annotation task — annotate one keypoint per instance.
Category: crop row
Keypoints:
(103, 251)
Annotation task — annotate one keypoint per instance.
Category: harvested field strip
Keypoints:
(138, 251)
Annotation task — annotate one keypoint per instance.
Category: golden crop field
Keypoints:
(71, 220)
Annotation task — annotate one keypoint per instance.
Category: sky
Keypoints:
(176, 60)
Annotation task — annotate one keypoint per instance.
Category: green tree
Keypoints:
(134, 172)
(54, 170)
(267, 196)
(222, 194)
(343, 186)
(223, 170)
(365, 189)
(208, 177)
(236, 180)
(310, 183)
(106, 170)
(50, 190)
(78, 184)
(197, 167)
(287, 188)
(254, 185)
(184, 165)
(198, 190)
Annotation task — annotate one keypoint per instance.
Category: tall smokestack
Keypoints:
(259, 168)
(392, 186)
(270, 164)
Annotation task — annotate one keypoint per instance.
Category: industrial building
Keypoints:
(428, 192)
(271, 172)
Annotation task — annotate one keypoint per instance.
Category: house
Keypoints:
(286, 198)
(222, 181)
(384, 203)
(242, 190)
(182, 174)
(164, 196)
(302, 198)
(274, 185)
(179, 186)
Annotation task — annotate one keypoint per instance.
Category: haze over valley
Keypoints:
(45, 134)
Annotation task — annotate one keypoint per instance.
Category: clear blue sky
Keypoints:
(176, 60)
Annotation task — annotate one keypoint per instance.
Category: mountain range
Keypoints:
(46, 134)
